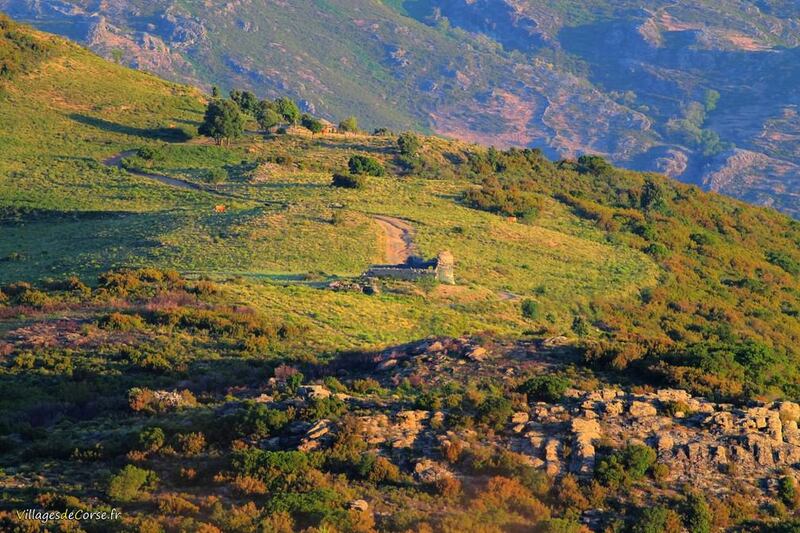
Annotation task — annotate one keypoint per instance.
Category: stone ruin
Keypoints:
(442, 268)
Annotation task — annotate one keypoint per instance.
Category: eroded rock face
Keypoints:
(702, 444)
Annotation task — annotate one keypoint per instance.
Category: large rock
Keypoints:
(428, 471)
(314, 392)
(789, 411)
(642, 409)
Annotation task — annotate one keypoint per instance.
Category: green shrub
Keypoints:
(787, 491)
(260, 421)
(350, 124)
(530, 309)
(696, 514)
(550, 388)
(312, 124)
(151, 439)
(784, 261)
(495, 411)
(127, 484)
(348, 181)
(409, 144)
(362, 164)
(656, 519)
(625, 466)
(121, 322)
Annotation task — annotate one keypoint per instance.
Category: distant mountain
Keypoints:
(704, 92)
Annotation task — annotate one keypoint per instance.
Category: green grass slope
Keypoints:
(643, 269)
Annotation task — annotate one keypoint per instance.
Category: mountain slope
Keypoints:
(627, 80)
(233, 371)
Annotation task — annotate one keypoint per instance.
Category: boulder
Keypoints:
(359, 505)
(642, 409)
(520, 417)
(789, 411)
(314, 392)
(428, 471)
(478, 354)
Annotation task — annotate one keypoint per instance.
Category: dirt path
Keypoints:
(399, 239)
(116, 161)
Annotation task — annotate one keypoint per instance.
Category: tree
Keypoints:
(266, 115)
(311, 123)
(409, 144)
(287, 109)
(246, 101)
(222, 121)
(349, 124)
(362, 164)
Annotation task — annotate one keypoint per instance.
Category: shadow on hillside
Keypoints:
(166, 134)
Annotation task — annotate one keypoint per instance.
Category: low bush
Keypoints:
(129, 482)
(550, 388)
(348, 181)
(362, 164)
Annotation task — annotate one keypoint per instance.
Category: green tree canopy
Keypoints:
(349, 124)
(287, 108)
(222, 121)
(266, 115)
(311, 123)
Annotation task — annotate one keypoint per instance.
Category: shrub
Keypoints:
(409, 144)
(126, 485)
(550, 388)
(530, 309)
(151, 439)
(147, 153)
(495, 411)
(378, 469)
(362, 164)
(784, 261)
(624, 466)
(787, 491)
(657, 519)
(312, 124)
(696, 514)
(216, 175)
(348, 181)
(121, 322)
(560, 525)
(259, 421)
(191, 443)
(174, 505)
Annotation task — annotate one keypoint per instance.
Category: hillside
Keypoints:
(702, 91)
(185, 334)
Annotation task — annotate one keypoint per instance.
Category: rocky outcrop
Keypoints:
(698, 444)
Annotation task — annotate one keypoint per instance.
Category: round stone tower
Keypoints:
(445, 268)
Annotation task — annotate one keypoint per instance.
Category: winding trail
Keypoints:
(116, 161)
(399, 239)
